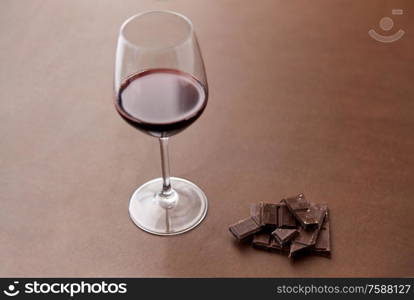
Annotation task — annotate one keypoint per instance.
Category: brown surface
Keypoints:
(302, 100)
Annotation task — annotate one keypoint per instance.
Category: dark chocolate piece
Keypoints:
(256, 211)
(261, 240)
(285, 218)
(306, 218)
(244, 228)
(323, 243)
(320, 211)
(312, 216)
(283, 235)
(275, 245)
(297, 203)
(297, 249)
(301, 209)
(309, 237)
(269, 214)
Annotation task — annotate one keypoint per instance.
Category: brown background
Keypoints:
(302, 100)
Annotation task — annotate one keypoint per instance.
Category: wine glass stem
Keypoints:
(165, 166)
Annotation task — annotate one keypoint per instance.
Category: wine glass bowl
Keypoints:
(157, 30)
(161, 89)
(171, 100)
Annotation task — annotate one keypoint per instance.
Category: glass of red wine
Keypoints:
(161, 89)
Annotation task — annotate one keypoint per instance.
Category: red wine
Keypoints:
(161, 102)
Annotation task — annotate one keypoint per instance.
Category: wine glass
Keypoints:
(161, 88)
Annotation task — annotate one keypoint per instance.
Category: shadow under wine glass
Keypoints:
(161, 89)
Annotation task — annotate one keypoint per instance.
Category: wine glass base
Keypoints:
(150, 215)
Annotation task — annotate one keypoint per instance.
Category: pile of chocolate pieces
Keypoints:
(294, 226)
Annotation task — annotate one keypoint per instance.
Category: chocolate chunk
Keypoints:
(311, 216)
(284, 235)
(261, 240)
(256, 211)
(272, 215)
(306, 214)
(297, 203)
(244, 228)
(296, 249)
(323, 242)
(275, 245)
(285, 218)
(306, 218)
(309, 237)
(320, 211)
(322, 246)
(269, 215)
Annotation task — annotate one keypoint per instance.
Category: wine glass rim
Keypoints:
(127, 21)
